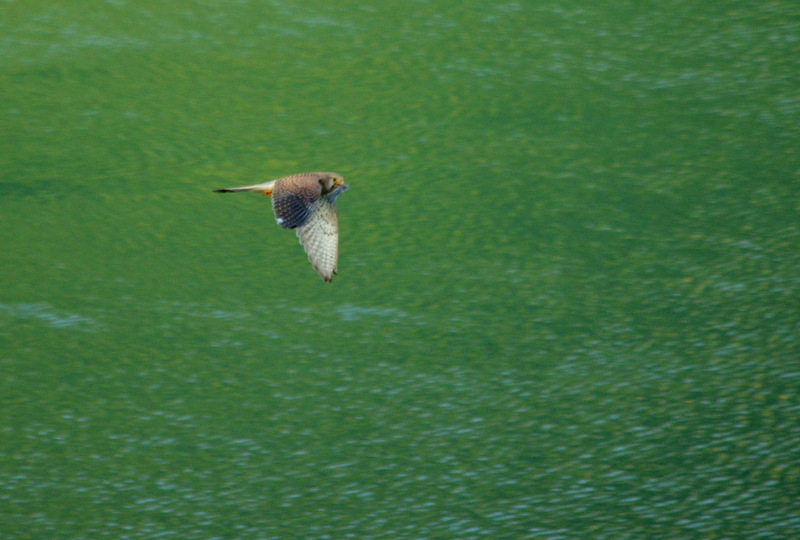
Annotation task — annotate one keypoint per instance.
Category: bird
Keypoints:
(306, 202)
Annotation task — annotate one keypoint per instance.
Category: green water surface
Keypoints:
(569, 274)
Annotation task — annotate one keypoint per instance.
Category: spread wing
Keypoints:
(294, 199)
(320, 238)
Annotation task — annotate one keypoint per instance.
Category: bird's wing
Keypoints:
(320, 238)
(294, 199)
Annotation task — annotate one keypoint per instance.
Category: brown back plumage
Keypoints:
(294, 198)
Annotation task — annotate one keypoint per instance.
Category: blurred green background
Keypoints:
(567, 302)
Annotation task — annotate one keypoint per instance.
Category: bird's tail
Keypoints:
(265, 188)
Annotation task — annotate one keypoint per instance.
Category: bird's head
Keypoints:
(332, 185)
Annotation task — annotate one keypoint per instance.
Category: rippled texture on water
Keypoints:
(568, 295)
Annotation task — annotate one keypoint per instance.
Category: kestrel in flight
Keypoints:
(307, 202)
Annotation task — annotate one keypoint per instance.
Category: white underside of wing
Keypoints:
(320, 238)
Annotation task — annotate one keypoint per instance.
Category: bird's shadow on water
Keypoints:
(38, 189)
